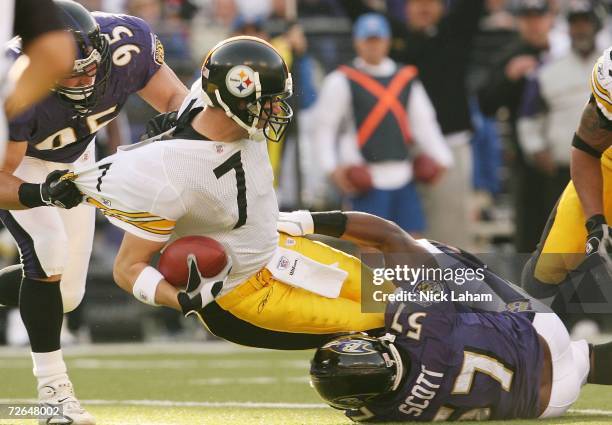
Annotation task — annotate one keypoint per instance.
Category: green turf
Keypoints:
(116, 384)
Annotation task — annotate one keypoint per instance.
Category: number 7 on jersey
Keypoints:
(234, 162)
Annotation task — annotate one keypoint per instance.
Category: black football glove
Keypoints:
(599, 240)
(201, 290)
(160, 124)
(57, 190)
(600, 235)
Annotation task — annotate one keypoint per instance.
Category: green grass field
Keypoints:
(208, 383)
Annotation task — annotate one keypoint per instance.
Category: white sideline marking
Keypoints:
(257, 380)
(170, 403)
(591, 412)
(240, 405)
(181, 364)
(133, 364)
(139, 349)
(76, 363)
(255, 364)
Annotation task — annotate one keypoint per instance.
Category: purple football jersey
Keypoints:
(52, 129)
(463, 364)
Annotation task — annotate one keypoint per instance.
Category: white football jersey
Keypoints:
(601, 83)
(167, 189)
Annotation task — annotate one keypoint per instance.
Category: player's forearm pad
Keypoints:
(146, 285)
(330, 223)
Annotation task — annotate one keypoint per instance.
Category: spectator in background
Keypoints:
(553, 102)
(165, 17)
(253, 8)
(604, 38)
(317, 8)
(504, 88)
(252, 26)
(211, 24)
(439, 42)
(496, 30)
(377, 108)
(293, 46)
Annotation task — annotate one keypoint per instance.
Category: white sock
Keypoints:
(49, 367)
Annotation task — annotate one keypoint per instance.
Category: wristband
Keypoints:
(594, 222)
(30, 196)
(146, 285)
(330, 223)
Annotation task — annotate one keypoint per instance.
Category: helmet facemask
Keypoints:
(94, 61)
(270, 113)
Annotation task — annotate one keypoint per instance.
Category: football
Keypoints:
(426, 170)
(360, 177)
(210, 254)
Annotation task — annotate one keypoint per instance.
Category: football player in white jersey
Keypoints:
(214, 178)
(201, 185)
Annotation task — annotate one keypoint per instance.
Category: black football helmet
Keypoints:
(352, 370)
(92, 58)
(249, 79)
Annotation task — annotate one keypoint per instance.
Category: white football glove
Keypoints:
(604, 247)
(201, 290)
(295, 223)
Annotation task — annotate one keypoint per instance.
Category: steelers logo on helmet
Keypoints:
(240, 81)
(351, 346)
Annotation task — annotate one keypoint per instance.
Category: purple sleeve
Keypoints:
(144, 49)
(20, 128)
(152, 56)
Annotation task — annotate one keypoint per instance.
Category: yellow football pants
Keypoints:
(269, 304)
(563, 243)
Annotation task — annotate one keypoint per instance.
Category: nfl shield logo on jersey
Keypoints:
(283, 263)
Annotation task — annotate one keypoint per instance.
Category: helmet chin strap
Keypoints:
(252, 129)
(388, 339)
